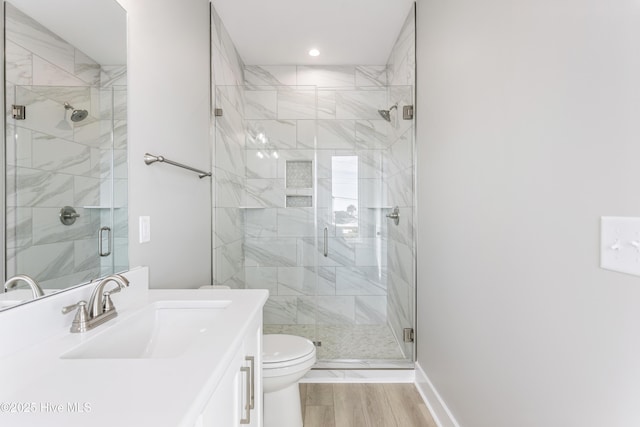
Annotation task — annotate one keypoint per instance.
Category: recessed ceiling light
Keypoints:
(314, 52)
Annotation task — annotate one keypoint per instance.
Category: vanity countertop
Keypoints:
(38, 387)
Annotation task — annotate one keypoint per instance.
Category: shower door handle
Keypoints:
(101, 252)
(325, 251)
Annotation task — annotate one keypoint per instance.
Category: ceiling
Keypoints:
(96, 27)
(281, 32)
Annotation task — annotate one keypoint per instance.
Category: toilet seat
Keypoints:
(281, 351)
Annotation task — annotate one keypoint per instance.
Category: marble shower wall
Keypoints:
(323, 115)
(399, 174)
(228, 158)
(52, 162)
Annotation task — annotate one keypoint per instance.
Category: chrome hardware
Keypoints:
(81, 321)
(247, 406)
(218, 112)
(150, 158)
(101, 241)
(13, 282)
(407, 112)
(96, 302)
(68, 215)
(395, 215)
(19, 112)
(101, 307)
(108, 304)
(325, 251)
(407, 334)
(252, 361)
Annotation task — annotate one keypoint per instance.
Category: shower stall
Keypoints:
(66, 181)
(313, 199)
(65, 158)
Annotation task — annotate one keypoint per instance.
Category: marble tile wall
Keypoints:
(53, 162)
(305, 113)
(399, 170)
(229, 164)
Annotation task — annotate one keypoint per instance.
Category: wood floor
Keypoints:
(363, 405)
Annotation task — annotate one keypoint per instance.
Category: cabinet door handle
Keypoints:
(252, 398)
(247, 406)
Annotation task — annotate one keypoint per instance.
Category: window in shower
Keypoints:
(344, 195)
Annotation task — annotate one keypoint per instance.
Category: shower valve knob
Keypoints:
(68, 215)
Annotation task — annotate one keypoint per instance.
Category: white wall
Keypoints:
(528, 131)
(168, 69)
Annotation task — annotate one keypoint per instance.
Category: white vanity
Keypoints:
(170, 358)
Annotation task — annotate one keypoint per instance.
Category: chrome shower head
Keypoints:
(386, 114)
(76, 115)
(79, 115)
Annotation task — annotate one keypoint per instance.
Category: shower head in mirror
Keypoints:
(386, 114)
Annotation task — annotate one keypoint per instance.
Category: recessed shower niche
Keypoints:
(299, 183)
(299, 174)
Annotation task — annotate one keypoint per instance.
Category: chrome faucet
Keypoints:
(101, 307)
(13, 282)
(100, 298)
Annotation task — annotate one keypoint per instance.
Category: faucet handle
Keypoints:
(72, 307)
(81, 320)
(108, 303)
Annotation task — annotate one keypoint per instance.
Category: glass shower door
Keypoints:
(305, 177)
(365, 171)
(265, 232)
(60, 181)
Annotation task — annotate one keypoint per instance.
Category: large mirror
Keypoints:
(65, 157)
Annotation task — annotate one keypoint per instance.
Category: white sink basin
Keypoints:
(165, 329)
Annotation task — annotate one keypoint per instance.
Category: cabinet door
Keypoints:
(224, 409)
(237, 400)
(253, 360)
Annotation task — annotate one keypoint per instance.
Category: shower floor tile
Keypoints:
(352, 342)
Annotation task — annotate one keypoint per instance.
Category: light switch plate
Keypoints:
(145, 229)
(620, 244)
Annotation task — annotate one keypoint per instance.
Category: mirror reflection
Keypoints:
(65, 144)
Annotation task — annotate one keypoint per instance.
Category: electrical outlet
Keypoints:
(145, 229)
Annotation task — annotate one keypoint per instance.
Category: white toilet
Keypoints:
(285, 360)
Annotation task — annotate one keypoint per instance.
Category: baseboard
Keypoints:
(438, 408)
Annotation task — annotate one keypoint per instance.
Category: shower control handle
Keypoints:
(68, 215)
(395, 215)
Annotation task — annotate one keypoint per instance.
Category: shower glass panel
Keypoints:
(305, 179)
(365, 159)
(69, 151)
